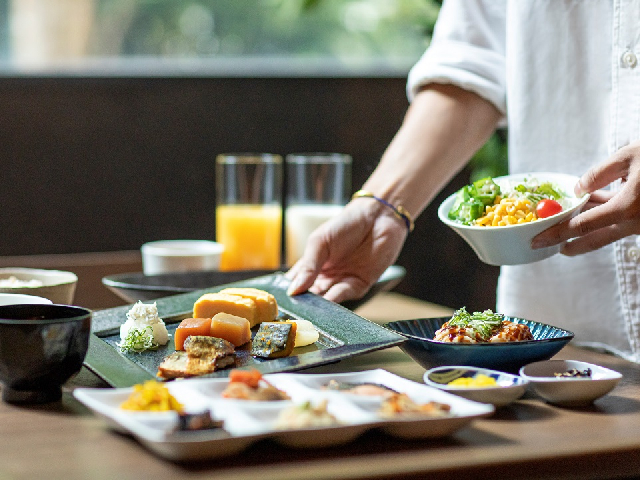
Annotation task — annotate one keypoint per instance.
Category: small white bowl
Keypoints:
(170, 256)
(569, 391)
(511, 245)
(56, 285)
(21, 299)
(509, 387)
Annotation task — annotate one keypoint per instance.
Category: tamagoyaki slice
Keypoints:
(210, 304)
(265, 302)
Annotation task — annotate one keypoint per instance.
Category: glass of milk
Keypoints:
(318, 186)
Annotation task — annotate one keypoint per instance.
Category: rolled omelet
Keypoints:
(266, 305)
(210, 304)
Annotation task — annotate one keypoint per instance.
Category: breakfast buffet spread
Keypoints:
(188, 394)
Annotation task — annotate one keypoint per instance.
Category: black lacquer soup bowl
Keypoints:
(41, 347)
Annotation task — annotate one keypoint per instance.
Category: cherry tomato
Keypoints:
(547, 207)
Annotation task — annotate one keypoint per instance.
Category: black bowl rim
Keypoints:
(122, 280)
(567, 335)
(82, 314)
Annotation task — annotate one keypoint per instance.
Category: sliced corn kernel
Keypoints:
(507, 211)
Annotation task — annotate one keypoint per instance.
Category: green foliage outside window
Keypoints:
(492, 159)
(307, 28)
(359, 36)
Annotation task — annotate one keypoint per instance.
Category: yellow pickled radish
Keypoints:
(477, 381)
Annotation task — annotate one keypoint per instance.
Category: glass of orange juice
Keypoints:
(249, 210)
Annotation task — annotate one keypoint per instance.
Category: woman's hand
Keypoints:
(346, 255)
(443, 127)
(609, 216)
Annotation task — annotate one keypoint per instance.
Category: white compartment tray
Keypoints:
(246, 422)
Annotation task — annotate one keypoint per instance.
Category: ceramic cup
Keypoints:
(169, 256)
(55, 285)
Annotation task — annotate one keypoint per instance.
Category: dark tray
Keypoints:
(343, 334)
(132, 287)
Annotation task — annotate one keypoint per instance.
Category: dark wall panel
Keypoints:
(101, 164)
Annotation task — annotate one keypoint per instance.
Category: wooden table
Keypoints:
(528, 439)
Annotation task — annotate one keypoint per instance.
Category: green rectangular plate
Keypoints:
(343, 334)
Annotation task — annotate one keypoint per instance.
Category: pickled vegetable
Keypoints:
(477, 381)
(274, 340)
(231, 327)
(151, 396)
(189, 327)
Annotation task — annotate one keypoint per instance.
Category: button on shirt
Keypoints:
(629, 59)
(565, 75)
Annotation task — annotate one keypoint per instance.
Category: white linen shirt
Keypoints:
(566, 75)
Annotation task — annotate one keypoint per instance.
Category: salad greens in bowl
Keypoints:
(498, 217)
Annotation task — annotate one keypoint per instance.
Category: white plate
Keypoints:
(569, 391)
(508, 387)
(246, 422)
(21, 299)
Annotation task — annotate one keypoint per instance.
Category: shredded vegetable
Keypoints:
(138, 340)
(535, 191)
(482, 323)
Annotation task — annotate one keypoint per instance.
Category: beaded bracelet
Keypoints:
(398, 211)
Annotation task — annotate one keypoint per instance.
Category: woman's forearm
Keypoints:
(443, 128)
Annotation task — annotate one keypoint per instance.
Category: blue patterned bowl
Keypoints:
(507, 357)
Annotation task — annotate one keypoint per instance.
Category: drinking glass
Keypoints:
(249, 210)
(318, 186)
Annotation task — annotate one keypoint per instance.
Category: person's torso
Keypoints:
(573, 98)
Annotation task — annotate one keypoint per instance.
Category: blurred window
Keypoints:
(214, 37)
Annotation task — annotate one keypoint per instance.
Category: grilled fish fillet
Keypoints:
(201, 355)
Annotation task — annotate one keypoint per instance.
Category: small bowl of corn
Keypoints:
(500, 231)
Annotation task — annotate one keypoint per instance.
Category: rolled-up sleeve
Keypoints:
(467, 50)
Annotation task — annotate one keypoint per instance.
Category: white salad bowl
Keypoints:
(511, 245)
(508, 387)
(569, 391)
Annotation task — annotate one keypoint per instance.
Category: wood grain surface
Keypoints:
(528, 439)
